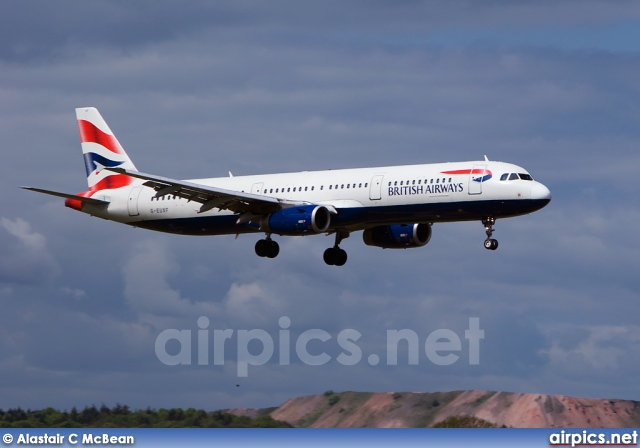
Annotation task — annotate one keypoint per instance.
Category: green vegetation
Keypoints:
(464, 421)
(425, 407)
(122, 417)
(333, 399)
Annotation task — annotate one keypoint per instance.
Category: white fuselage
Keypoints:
(363, 198)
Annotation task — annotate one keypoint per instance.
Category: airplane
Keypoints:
(394, 206)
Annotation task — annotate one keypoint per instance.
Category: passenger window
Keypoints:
(504, 176)
(321, 187)
(312, 187)
(401, 182)
(330, 187)
(513, 176)
(395, 183)
(288, 189)
(342, 186)
(365, 185)
(360, 185)
(306, 188)
(430, 181)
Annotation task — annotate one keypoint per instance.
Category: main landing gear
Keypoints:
(489, 243)
(267, 248)
(334, 256)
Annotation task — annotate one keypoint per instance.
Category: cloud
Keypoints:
(25, 258)
(591, 355)
(147, 289)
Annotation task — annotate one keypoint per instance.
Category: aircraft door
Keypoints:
(476, 177)
(257, 188)
(132, 204)
(375, 189)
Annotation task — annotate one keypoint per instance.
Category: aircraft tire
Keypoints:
(491, 244)
(273, 249)
(341, 257)
(262, 248)
(330, 256)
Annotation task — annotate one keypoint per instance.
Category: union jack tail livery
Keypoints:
(101, 150)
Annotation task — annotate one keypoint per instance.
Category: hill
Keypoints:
(417, 410)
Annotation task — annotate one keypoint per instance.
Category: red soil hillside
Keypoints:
(414, 410)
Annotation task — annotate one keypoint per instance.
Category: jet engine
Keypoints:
(299, 220)
(398, 236)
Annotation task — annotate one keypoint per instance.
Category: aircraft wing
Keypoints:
(247, 205)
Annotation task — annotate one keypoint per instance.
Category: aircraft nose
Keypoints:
(539, 191)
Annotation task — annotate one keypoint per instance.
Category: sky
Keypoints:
(199, 89)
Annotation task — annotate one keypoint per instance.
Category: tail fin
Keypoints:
(101, 149)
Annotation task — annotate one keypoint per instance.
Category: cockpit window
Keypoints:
(513, 176)
(504, 176)
(525, 176)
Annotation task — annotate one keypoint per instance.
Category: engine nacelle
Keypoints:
(301, 220)
(398, 236)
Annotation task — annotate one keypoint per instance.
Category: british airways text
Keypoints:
(426, 189)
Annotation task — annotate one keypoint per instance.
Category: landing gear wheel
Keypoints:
(330, 256)
(342, 257)
(274, 249)
(334, 256)
(267, 248)
(262, 248)
(491, 244)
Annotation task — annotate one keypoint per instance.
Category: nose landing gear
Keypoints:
(489, 243)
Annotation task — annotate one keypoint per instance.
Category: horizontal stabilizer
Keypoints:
(69, 196)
